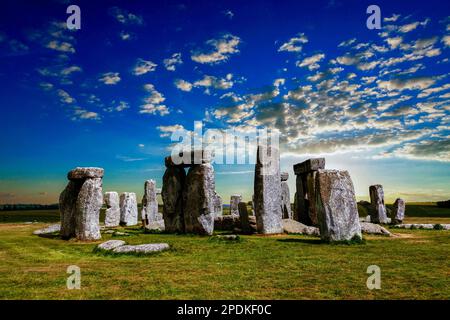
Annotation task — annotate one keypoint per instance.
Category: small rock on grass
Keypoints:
(111, 244)
(50, 229)
(142, 248)
(372, 228)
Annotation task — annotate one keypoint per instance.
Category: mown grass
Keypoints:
(414, 265)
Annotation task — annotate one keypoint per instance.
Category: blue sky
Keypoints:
(373, 102)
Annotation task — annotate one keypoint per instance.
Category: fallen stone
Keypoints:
(128, 209)
(172, 195)
(234, 202)
(142, 248)
(398, 214)
(110, 244)
(372, 228)
(199, 193)
(267, 190)
(228, 237)
(336, 206)
(309, 165)
(85, 173)
(377, 210)
(112, 213)
(426, 226)
(292, 226)
(50, 229)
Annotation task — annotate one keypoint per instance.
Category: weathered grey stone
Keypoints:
(309, 165)
(190, 158)
(68, 208)
(112, 213)
(267, 190)
(89, 203)
(110, 244)
(234, 202)
(336, 206)
(427, 226)
(128, 209)
(398, 214)
(80, 173)
(310, 196)
(142, 248)
(227, 223)
(199, 195)
(50, 229)
(172, 195)
(228, 237)
(372, 228)
(292, 226)
(151, 218)
(377, 210)
(285, 197)
(243, 217)
(218, 206)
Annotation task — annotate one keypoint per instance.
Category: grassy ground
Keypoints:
(414, 265)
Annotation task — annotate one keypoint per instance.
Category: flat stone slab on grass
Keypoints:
(50, 229)
(111, 244)
(142, 248)
(427, 226)
(372, 228)
(293, 226)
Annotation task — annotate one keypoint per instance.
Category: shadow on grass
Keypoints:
(50, 235)
(308, 241)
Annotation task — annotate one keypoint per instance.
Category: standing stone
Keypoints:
(80, 204)
(398, 214)
(378, 210)
(305, 171)
(234, 202)
(172, 196)
(89, 203)
(112, 214)
(128, 209)
(243, 215)
(337, 211)
(267, 190)
(285, 197)
(218, 206)
(199, 195)
(151, 218)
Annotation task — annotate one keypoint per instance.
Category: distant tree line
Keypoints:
(443, 204)
(15, 207)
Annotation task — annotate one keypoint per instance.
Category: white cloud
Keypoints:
(172, 62)
(394, 42)
(311, 62)
(143, 66)
(418, 83)
(166, 131)
(392, 18)
(65, 97)
(294, 44)
(82, 114)
(69, 70)
(183, 85)
(121, 106)
(110, 78)
(60, 46)
(153, 103)
(125, 17)
(223, 48)
(446, 40)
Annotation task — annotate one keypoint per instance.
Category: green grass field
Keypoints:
(414, 265)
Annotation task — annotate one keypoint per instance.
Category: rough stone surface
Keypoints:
(372, 228)
(336, 206)
(309, 165)
(428, 226)
(310, 196)
(111, 244)
(112, 213)
(50, 229)
(142, 248)
(68, 208)
(172, 195)
(377, 209)
(267, 191)
(234, 202)
(128, 209)
(190, 158)
(199, 195)
(227, 223)
(284, 176)
(89, 203)
(292, 226)
(151, 218)
(285, 200)
(243, 217)
(218, 205)
(85, 173)
(398, 214)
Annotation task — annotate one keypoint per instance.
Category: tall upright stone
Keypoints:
(80, 204)
(128, 209)
(377, 210)
(151, 218)
(243, 217)
(112, 214)
(172, 195)
(337, 211)
(267, 190)
(234, 202)
(200, 196)
(398, 214)
(285, 197)
(218, 205)
(305, 190)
